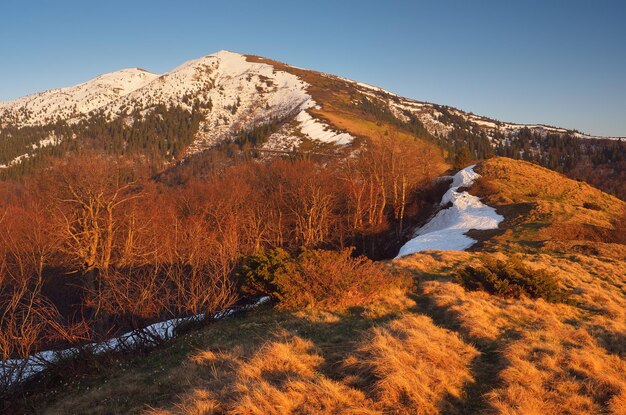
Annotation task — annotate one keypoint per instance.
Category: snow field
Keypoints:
(446, 230)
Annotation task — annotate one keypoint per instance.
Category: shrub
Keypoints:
(512, 279)
(269, 273)
(317, 278)
(592, 206)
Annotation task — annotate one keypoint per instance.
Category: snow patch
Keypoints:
(364, 85)
(488, 124)
(316, 130)
(20, 370)
(446, 230)
(17, 160)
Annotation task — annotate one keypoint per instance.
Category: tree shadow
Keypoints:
(485, 368)
(335, 336)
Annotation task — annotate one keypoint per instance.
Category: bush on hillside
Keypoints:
(269, 273)
(512, 279)
(592, 206)
(317, 278)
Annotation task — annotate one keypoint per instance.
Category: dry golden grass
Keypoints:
(544, 209)
(406, 366)
(453, 351)
(412, 366)
(283, 378)
(552, 358)
(557, 368)
(198, 402)
(438, 350)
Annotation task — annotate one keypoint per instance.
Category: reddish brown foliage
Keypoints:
(142, 250)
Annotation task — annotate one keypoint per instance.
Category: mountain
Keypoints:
(223, 77)
(411, 269)
(66, 104)
(272, 106)
(241, 94)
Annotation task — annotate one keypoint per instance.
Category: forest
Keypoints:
(95, 244)
(162, 134)
(602, 163)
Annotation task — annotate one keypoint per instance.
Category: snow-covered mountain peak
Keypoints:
(75, 101)
(229, 92)
(228, 61)
(127, 80)
(232, 92)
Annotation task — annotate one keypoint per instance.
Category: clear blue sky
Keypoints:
(556, 62)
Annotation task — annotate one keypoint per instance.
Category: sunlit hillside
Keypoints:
(534, 328)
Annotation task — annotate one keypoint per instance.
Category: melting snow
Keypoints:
(484, 123)
(21, 369)
(319, 131)
(446, 231)
(15, 161)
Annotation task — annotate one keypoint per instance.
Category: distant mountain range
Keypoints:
(231, 94)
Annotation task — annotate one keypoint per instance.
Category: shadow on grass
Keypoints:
(485, 368)
(131, 383)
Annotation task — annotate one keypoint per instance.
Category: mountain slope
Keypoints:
(237, 94)
(76, 101)
(228, 92)
(546, 211)
(439, 347)
(241, 94)
(229, 95)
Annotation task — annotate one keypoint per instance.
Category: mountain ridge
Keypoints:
(478, 119)
(275, 107)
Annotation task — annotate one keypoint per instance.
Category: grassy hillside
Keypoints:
(435, 349)
(438, 346)
(545, 210)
